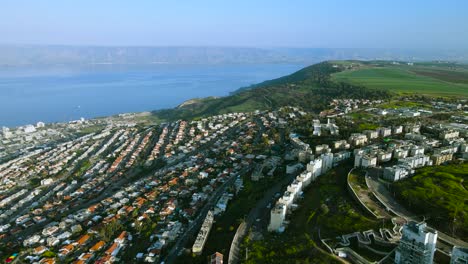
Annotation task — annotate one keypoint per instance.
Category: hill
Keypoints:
(434, 79)
(439, 193)
(310, 88)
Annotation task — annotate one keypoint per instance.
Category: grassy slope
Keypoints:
(309, 88)
(430, 79)
(300, 241)
(441, 194)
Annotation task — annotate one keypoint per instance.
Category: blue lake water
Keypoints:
(57, 94)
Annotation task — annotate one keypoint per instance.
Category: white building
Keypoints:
(416, 162)
(459, 255)
(371, 134)
(400, 153)
(315, 167)
(327, 162)
(384, 156)
(365, 161)
(277, 216)
(203, 234)
(416, 151)
(412, 128)
(396, 173)
(417, 244)
(397, 130)
(384, 131)
(449, 134)
(319, 149)
(29, 129)
(341, 144)
(357, 139)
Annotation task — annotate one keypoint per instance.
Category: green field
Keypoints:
(426, 79)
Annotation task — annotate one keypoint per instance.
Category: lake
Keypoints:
(58, 94)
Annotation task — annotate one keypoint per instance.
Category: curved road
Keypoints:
(387, 199)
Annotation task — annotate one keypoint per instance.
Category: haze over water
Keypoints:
(29, 95)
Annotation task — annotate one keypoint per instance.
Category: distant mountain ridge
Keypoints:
(17, 55)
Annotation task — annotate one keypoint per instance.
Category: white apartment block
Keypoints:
(396, 173)
(417, 244)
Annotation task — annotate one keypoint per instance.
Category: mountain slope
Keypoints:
(310, 88)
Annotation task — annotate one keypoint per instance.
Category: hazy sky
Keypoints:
(253, 23)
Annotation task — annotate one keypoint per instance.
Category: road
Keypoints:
(197, 222)
(259, 211)
(387, 199)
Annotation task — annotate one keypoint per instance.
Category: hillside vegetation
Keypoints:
(436, 79)
(440, 193)
(310, 88)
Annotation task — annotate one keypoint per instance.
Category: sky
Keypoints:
(246, 23)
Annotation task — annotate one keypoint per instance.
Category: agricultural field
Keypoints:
(428, 79)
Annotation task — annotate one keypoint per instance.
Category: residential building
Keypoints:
(365, 161)
(449, 134)
(384, 131)
(216, 258)
(357, 139)
(438, 159)
(203, 234)
(397, 130)
(396, 173)
(384, 156)
(417, 244)
(416, 162)
(416, 151)
(459, 255)
(371, 134)
(341, 144)
(277, 216)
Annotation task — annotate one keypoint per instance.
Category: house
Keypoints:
(65, 250)
(113, 250)
(39, 250)
(98, 246)
(82, 240)
(121, 238)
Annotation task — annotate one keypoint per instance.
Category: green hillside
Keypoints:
(310, 88)
(437, 79)
(439, 193)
